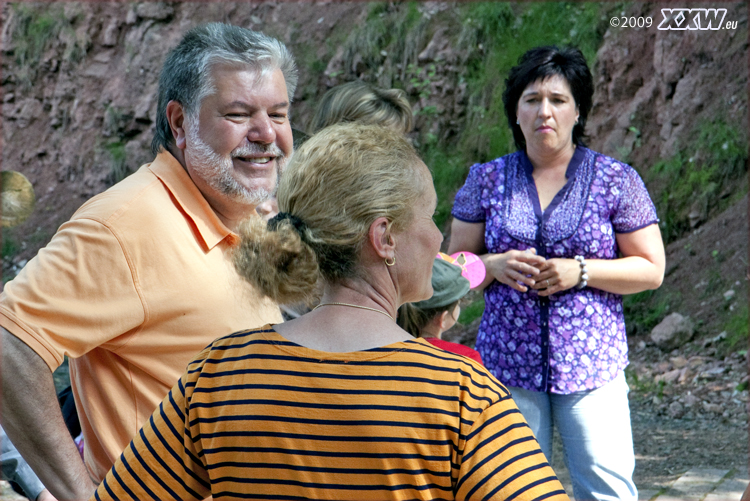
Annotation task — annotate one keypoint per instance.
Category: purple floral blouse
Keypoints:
(573, 340)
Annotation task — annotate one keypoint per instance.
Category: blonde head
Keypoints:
(360, 102)
(332, 190)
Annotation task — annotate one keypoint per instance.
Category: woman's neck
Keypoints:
(552, 160)
(359, 293)
(351, 316)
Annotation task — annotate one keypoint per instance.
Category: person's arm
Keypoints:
(16, 469)
(508, 268)
(34, 423)
(640, 268)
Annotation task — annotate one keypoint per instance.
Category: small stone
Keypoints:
(679, 362)
(676, 410)
(712, 408)
(668, 377)
(672, 332)
(154, 10)
(729, 294)
(690, 400)
(694, 362)
(713, 372)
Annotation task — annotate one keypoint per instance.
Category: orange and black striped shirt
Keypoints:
(258, 417)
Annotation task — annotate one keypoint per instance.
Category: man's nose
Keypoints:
(261, 130)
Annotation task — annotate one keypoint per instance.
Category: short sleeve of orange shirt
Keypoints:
(77, 294)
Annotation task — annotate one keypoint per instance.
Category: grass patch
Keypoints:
(118, 169)
(471, 312)
(736, 328)
(10, 244)
(34, 28)
(644, 387)
(643, 311)
(700, 178)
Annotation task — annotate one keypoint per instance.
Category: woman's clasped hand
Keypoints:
(525, 269)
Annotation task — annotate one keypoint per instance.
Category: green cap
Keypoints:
(447, 283)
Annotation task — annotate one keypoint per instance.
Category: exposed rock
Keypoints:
(672, 332)
(669, 377)
(676, 410)
(30, 110)
(154, 10)
(108, 36)
(678, 362)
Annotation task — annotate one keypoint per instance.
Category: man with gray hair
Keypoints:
(138, 281)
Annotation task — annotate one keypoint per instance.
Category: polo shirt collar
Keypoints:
(209, 227)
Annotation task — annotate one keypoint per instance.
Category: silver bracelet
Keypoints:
(583, 281)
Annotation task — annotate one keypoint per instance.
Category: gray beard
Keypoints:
(216, 170)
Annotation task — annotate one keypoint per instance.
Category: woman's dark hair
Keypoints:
(540, 63)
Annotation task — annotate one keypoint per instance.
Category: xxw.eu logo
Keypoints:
(693, 19)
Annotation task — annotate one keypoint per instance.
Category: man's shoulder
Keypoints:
(140, 195)
(119, 197)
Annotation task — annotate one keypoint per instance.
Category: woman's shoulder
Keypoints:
(606, 162)
(232, 344)
(468, 373)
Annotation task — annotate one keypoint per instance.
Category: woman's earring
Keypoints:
(393, 261)
(517, 122)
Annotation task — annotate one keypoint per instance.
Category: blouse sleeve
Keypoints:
(634, 209)
(162, 461)
(467, 206)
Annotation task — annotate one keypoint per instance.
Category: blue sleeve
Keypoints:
(467, 206)
(634, 209)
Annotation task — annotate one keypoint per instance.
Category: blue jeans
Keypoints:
(597, 440)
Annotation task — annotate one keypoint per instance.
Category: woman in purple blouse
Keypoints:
(564, 232)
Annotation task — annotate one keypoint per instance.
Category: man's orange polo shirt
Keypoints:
(131, 289)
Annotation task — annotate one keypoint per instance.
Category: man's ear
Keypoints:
(176, 120)
(381, 239)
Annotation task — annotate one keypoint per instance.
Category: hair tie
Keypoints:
(296, 223)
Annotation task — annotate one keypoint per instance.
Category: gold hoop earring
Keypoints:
(393, 261)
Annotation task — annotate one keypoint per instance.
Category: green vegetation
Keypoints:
(645, 387)
(471, 312)
(34, 28)
(118, 167)
(643, 311)
(699, 177)
(10, 248)
(736, 328)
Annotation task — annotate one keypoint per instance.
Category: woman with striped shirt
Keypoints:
(340, 403)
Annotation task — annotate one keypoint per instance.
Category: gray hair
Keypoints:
(186, 75)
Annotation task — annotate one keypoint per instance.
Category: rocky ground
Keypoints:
(688, 411)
